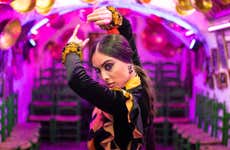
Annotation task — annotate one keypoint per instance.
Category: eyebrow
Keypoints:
(103, 64)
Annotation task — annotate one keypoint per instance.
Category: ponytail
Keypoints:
(149, 88)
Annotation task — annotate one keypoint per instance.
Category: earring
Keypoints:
(130, 68)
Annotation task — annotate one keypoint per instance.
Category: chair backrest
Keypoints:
(42, 94)
(3, 120)
(46, 77)
(10, 105)
(43, 101)
(213, 114)
(207, 114)
(170, 73)
(199, 112)
(176, 94)
(226, 128)
(67, 102)
(59, 76)
(221, 122)
(8, 115)
(152, 69)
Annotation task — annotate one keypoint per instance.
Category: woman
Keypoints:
(124, 105)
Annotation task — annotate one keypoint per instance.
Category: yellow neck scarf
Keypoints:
(133, 82)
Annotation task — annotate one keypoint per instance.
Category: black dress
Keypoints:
(120, 115)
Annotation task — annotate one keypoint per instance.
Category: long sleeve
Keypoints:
(91, 90)
(126, 30)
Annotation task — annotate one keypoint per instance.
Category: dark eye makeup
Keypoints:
(97, 70)
(108, 66)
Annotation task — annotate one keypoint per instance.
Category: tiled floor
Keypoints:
(80, 146)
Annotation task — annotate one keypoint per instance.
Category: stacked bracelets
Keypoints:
(76, 48)
(116, 19)
(71, 48)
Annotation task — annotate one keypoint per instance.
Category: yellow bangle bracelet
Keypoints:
(116, 19)
(71, 48)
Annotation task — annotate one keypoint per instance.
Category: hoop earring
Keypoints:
(130, 69)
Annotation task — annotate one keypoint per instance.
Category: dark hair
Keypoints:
(113, 45)
(116, 46)
(149, 88)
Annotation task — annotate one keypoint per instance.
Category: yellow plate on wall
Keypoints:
(44, 3)
(44, 6)
(10, 34)
(23, 5)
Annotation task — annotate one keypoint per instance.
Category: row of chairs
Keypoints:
(163, 71)
(59, 112)
(172, 106)
(55, 105)
(173, 109)
(16, 136)
(209, 130)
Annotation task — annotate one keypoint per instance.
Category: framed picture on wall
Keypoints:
(221, 49)
(210, 81)
(222, 80)
(228, 49)
(214, 59)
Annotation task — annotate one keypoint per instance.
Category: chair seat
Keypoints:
(194, 133)
(178, 125)
(205, 140)
(26, 135)
(214, 147)
(65, 118)
(159, 105)
(184, 127)
(42, 103)
(28, 125)
(178, 120)
(67, 104)
(8, 146)
(159, 119)
(178, 105)
(15, 144)
(25, 146)
(38, 118)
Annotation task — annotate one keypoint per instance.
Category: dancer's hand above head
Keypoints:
(74, 38)
(100, 16)
(108, 18)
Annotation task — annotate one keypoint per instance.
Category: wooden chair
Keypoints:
(170, 74)
(3, 120)
(204, 124)
(11, 106)
(152, 70)
(59, 76)
(42, 110)
(16, 136)
(46, 77)
(177, 105)
(212, 118)
(222, 128)
(180, 128)
(68, 115)
(42, 104)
